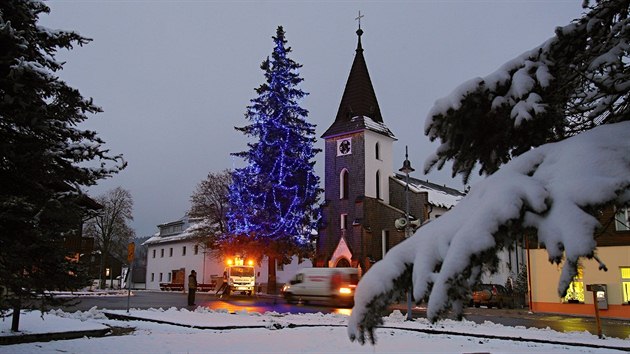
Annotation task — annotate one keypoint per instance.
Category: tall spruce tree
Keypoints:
(274, 198)
(44, 158)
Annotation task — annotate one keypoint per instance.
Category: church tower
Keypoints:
(358, 167)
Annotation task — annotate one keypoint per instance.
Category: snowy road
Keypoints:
(262, 304)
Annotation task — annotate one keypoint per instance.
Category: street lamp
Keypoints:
(407, 169)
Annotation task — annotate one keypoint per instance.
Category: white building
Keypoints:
(174, 251)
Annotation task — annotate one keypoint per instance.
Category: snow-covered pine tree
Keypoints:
(576, 80)
(555, 120)
(273, 200)
(44, 158)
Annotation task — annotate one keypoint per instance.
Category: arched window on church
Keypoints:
(377, 151)
(378, 184)
(343, 184)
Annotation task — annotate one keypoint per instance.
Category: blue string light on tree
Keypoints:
(274, 198)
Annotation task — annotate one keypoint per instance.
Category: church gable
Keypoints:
(341, 253)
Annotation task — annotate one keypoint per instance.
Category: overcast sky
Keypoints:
(175, 77)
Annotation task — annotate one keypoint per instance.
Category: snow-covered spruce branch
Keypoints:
(549, 188)
(578, 79)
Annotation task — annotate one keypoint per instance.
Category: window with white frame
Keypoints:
(378, 184)
(162, 253)
(196, 249)
(344, 221)
(154, 253)
(344, 184)
(169, 277)
(160, 276)
(170, 252)
(622, 222)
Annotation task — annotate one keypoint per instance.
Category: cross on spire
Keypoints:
(358, 18)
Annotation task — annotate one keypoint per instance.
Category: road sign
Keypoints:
(131, 247)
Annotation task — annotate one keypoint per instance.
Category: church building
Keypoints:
(363, 195)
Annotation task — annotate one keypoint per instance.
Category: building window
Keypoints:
(625, 284)
(184, 251)
(378, 184)
(377, 151)
(344, 221)
(169, 277)
(160, 276)
(154, 253)
(162, 253)
(152, 277)
(170, 252)
(196, 249)
(575, 293)
(622, 222)
(343, 184)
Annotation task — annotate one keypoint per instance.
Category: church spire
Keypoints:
(359, 32)
(359, 107)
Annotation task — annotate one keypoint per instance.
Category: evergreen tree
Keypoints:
(273, 199)
(571, 83)
(44, 158)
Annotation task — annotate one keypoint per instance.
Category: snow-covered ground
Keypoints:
(209, 331)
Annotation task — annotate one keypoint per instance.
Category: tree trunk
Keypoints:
(271, 280)
(102, 277)
(15, 321)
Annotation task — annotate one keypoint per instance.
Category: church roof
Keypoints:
(359, 108)
(439, 195)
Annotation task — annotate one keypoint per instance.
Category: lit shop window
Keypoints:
(575, 293)
(625, 284)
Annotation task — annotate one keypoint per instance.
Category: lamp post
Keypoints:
(407, 169)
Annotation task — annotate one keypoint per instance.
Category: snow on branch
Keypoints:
(574, 81)
(550, 189)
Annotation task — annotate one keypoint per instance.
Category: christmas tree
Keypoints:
(273, 200)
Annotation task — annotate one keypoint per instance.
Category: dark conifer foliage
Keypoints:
(44, 157)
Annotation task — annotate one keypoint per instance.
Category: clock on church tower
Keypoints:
(344, 147)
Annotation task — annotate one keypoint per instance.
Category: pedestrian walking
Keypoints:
(224, 290)
(192, 287)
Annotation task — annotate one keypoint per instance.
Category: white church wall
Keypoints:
(384, 164)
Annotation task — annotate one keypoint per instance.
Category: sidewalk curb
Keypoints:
(114, 316)
(47, 337)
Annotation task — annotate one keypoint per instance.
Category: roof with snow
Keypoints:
(359, 108)
(439, 195)
(187, 231)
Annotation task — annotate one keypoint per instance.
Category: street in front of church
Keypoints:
(265, 303)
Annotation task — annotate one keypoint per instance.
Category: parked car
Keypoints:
(492, 295)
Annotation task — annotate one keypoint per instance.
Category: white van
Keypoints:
(334, 286)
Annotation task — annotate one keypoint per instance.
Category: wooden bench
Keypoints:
(207, 287)
(172, 286)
